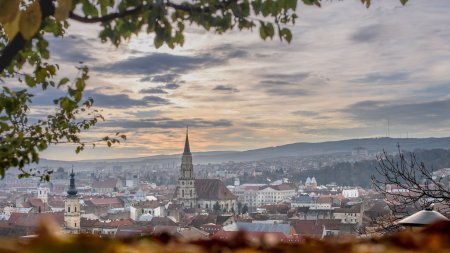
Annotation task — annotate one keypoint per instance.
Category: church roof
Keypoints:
(187, 149)
(212, 189)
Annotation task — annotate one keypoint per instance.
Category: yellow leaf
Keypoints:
(12, 28)
(8, 10)
(30, 20)
(63, 9)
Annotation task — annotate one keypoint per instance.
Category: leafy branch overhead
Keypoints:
(25, 26)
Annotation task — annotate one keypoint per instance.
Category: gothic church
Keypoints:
(201, 193)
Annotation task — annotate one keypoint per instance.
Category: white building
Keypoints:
(153, 208)
(255, 195)
(350, 193)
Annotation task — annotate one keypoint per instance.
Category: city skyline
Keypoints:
(348, 71)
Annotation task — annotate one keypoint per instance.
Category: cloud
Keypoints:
(161, 78)
(367, 34)
(229, 51)
(225, 88)
(289, 92)
(120, 101)
(168, 123)
(72, 49)
(156, 90)
(123, 100)
(291, 85)
(154, 100)
(383, 78)
(157, 63)
(171, 86)
(306, 113)
(430, 113)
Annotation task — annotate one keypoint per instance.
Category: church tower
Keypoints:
(186, 194)
(42, 193)
(72, 213)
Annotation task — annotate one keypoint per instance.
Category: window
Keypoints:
(75, 224)
(75, 209)
(68, 209)
(182, 193)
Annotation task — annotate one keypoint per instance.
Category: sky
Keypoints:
(348, 73)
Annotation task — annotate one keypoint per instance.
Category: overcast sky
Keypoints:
(348, 71)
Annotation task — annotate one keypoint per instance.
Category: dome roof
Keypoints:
(146, 217)
(421, 218)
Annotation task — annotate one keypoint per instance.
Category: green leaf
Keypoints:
(286, 34)
(89, 9)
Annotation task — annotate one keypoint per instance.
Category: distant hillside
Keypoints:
(360, 173)
(374, 145)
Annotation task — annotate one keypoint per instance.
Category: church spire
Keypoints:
(72, 192)
(187, 149)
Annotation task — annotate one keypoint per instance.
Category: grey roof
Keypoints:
(423, 217)
(259, 227)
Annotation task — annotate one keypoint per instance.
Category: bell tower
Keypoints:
(186, 194)
(72, 214)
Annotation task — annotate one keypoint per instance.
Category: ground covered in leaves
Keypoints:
(435, 238)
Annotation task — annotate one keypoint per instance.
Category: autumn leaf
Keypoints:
(8, 10)
(63, 9)
(12, 28)
(30, 20)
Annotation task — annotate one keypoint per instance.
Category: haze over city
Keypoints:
(350, 72)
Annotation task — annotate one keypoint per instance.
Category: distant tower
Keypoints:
(42, 193)
(237, 182)
(186, 194)
(72, 214)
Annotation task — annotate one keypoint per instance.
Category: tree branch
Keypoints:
(108, 17)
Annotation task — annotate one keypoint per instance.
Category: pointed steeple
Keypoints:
(72, 192)
(187, 149)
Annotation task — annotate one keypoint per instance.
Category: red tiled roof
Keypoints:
(148, 204)
(33, 219)
(106, 201)
(309, 228)
(352, 209)
(108, 183)
(280, 187)
(212, 189)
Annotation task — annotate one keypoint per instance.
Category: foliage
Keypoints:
(25, 26)
(216, 206)
(431, 239)
(245, 209)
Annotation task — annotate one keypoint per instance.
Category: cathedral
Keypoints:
(209, 194)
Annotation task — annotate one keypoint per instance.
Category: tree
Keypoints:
(216, 207)
(408, 185)
(245, 209)
(25, 57)
(239, 207)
